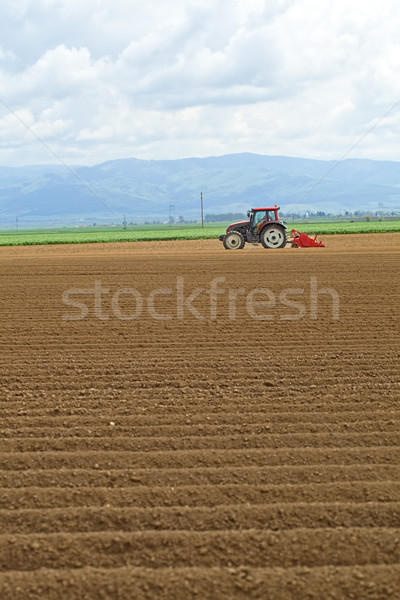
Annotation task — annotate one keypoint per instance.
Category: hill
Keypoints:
(145, 189)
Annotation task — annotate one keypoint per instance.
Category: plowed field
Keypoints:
(185, 436)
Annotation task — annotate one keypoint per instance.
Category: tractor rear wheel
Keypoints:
(234, 241)
(273, 237)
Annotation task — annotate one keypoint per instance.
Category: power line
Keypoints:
(54, 153)
(345, 155)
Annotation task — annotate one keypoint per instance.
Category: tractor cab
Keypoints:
(259, 216)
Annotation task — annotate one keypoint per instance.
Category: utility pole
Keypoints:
(16, 221)
(202, 219)
(124, 223)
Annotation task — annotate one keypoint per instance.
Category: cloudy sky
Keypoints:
(159, 79)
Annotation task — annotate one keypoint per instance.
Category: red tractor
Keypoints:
(263, 226)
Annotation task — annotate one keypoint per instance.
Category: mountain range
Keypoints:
(155, 189)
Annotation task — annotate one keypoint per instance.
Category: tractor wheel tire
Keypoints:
(273, 237)
(234, 241)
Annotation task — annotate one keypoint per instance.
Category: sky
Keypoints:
(86, 81)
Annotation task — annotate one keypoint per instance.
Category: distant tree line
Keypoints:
(225, 217)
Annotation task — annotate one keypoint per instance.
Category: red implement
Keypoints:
(302, 240)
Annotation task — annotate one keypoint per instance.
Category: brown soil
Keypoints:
(227, 457)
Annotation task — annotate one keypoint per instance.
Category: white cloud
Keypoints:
(99, 80)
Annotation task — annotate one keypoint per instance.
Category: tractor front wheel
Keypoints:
(234, 241)
(273, 237)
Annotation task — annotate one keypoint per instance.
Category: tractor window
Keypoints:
(261, 215)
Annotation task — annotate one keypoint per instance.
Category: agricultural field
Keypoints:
(170, 431)
(83, 235)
